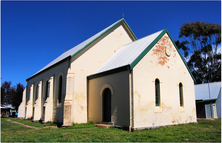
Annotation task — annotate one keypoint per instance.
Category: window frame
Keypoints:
(60, 90)
(29, 96)
(37, 92)
(157, 92)
(181, 95)
(47, 92)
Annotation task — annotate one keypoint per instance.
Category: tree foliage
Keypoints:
(200, 45)
(11, 94)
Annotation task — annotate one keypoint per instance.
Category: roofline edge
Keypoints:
(147, 49)
(69, 57)
(136, 61)
(181, 55)
(120, 21)
(112, 71)
(132, 33)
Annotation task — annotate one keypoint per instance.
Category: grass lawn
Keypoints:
(204, 131)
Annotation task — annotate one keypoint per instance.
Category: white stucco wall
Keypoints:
(56, 110)
(170, 71)
(38, 102)
(87, 63)
(29, 105)
(119, 85)
(21, 109)
(82, 65)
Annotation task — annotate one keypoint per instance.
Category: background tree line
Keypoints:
(11, 94)
(200, 43)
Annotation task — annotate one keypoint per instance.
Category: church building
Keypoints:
(114, 78)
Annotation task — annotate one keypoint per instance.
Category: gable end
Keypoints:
(129, 31)
(134, 63)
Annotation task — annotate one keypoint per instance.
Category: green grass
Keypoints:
(204, 131)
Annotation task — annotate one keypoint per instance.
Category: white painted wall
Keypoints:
(84, 64)
(29, 105)
(119, 85)
(38, 102)
(21, 109)
(56, 113)
(87, 63)
(170, 71)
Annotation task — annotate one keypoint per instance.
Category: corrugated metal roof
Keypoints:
(75, 50)
(132, 53)
(6, 106)
(202, 91)
(127, 54)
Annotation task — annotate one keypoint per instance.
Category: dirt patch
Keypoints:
(37, 128)
(23, 124)
(52, 127)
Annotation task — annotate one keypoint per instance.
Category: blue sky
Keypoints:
(35, 33)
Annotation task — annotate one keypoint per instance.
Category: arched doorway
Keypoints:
(107, 105)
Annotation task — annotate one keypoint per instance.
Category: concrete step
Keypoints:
(103, 126)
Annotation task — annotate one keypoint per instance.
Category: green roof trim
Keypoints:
(122, 20)
(129, 29)
(181, 55)
(134, 63)
(209, 100)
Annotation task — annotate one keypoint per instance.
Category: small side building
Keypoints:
(5, 111)
(208, 100)
(8, 110)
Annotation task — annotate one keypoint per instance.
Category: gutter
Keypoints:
(209, 100)
(67, 58)
(112, 71)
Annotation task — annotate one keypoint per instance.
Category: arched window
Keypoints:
(181, 94)
(47, 89)
(37, 92)
(29, 96)
(157, 92)
(60, 89)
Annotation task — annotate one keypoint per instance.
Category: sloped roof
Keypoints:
(128, 53)
(6, 106)
(77, 49)
(207, 91)
(132, 53)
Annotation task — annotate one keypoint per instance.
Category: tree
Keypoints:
(11, 94)
(200, 46)
(6, 91)
(17, 96)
